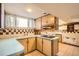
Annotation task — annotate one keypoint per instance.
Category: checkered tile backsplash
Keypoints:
(15, 31)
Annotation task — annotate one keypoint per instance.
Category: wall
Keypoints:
(61, 26)
(2, 16)
(13, 32)
(70, 37)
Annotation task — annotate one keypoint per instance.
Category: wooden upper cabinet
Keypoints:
(48, 20)
(44, 20)
(38, 23)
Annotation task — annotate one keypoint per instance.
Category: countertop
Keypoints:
(30, 36)
(10, 47)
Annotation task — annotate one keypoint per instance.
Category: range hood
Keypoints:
(48, 27)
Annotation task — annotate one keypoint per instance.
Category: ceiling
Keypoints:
(20, 9)
(65, 11)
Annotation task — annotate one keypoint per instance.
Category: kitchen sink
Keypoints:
(48, 36)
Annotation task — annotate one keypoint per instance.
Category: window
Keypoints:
(9, 21)
(21, 22)
(16, 21)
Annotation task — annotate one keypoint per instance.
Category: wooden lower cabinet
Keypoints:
(50, 47)
(39, 44)
(24, 43)
(28, 43)
(47, 47)
(31, 44)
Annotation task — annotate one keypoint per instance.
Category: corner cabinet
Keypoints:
(29, 44)
(46, 46)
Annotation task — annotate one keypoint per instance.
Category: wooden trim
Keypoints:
(51, 48)
(42, 44)
(69, 44)
(35, 42)
(27, 44)
(41, 22)
(43, 16)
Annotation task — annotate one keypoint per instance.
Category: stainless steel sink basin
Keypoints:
(47, 36)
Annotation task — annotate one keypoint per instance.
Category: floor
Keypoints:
(64, 50)
(68, 50)
(35, 53)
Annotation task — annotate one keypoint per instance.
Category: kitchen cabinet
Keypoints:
(47, 47)
(60, 37)
(44, 20)
(31, 44)
(38, 23)
(28, 43)
(50, 47)
(24, 43)
(44, 45)
(39, 44)
(48, 20)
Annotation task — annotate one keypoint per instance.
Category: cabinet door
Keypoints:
(39, 44)
(38, 23)
(50, 20)
(44, 21)
(47, 47)
(24, 43)
(31, 44)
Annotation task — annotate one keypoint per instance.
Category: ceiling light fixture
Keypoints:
(29, 10)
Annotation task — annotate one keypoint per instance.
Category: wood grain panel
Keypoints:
(47, 47)
(31, 44)
(39, 44)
